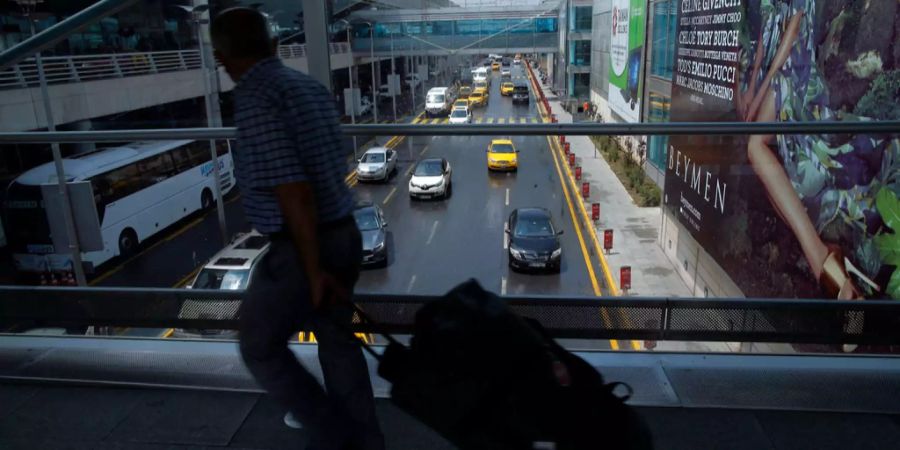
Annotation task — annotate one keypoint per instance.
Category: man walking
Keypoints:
(290, 167)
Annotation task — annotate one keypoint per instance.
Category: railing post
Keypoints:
(116, 66)
(21, 76)
(151, 58)
(181, 60)
(73, 72)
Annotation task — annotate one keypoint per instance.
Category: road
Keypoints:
(433, 245)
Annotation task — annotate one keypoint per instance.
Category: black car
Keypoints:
(520, 94)
(533, 240)
(371, 224)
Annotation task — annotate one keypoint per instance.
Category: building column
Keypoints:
(315, 23)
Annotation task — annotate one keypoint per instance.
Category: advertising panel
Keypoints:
(626, 53)
(790, 215)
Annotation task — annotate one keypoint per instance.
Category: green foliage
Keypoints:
(880, 102)
(889, 243)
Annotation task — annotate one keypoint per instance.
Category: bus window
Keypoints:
(198, 152)
(119, 183)
(155, 169)
(181, 159)
(222, 148)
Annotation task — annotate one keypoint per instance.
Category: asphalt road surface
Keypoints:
(433, 244)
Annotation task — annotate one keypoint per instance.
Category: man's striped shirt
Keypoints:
(288, 131)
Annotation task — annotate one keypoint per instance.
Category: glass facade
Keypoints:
(462, 27)
(665, 16)
(581, 19)
(580, 53)
(658, 112)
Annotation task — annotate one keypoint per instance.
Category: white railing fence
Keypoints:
(76, 69)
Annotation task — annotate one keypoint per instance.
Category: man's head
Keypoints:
(241, 38)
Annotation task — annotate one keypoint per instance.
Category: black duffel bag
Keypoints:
(485, 378)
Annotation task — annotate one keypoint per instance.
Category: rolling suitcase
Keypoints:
(485, 378)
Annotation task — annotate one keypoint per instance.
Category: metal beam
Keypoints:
(545, 129)
(315, 24)
(62, 30)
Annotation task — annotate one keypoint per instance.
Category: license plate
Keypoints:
(537, 264)
(425, 196)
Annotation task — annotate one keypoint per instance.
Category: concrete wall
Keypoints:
(22, 109)
(703, 276)
(600, 35)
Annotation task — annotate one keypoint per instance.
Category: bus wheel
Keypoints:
(206, 199)
(128, 242)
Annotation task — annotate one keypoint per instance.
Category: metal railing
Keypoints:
(673, 319)
(76, 69)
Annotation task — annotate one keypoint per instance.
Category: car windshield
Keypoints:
(366, 219)
(373, 158)
(508, 85)
(435, 98)
(234, 279)
(465, 90)
(534, 227)
(458, 113)
(502, 148)
(428, 169)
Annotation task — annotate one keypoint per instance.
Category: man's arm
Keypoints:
(298, 206)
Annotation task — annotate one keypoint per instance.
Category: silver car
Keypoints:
(377, 164)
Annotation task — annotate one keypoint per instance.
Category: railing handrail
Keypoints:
(551, 129)
(668, 318)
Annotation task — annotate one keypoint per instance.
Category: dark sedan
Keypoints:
(533, 240)
(371, 224)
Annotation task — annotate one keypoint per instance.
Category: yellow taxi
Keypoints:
(502, 155)
(461, 103)
(478, 97)
(495, 65)
(507, 88)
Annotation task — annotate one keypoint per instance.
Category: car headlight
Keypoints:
(515, 252)
(379, 247)
(556, 253)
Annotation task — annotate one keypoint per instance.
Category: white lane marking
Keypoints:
(425, 149)
(408, 171)
(433, 138)
(412, 281)
(507, 196)
(505, 236)
(390, 194)
(502, 285)
(433, 230)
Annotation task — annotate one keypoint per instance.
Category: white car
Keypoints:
(505, 72)
(461, 115)
(430, 179)
(377, 164)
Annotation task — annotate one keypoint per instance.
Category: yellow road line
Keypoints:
(490, 120)
(168, 333)
(184, 280)
(479, 120)
(388, 197)
(501, 120)
(587, 261)
(445, 120)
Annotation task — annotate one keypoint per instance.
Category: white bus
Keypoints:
(139, 190)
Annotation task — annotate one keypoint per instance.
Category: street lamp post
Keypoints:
(350, 78)
(28, 7)
(393, 76)
(196, 13)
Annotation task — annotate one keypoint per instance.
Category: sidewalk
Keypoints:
(635, 229)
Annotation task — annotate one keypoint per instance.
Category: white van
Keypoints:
(230, 269)
(439, 100)
(480, 74)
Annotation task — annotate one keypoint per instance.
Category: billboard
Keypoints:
(626, 54)
(790, 215)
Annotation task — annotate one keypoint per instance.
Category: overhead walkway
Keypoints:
(459, 31)
(89, 86)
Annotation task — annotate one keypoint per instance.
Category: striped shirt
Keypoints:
(288, 131)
